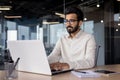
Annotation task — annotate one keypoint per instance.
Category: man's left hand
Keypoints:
(59, 66)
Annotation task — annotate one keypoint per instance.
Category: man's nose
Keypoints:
(68, 23)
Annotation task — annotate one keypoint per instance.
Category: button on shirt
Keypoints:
(78, 52)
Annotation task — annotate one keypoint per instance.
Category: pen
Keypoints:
(15, 65)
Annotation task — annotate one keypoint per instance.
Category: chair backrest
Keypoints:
(97, 54)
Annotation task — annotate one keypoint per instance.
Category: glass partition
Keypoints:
(50, 28)
(2, 40)
(101, 21)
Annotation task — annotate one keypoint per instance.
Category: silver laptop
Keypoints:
(32, 55)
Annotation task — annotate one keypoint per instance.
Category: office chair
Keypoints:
(96, 55)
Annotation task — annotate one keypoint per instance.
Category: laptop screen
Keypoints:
(32, 55)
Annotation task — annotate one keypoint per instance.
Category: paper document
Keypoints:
(86, 73)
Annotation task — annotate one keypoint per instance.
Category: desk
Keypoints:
(69, 76)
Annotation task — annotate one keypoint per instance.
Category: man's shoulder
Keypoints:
(64, 36)
(86, 34)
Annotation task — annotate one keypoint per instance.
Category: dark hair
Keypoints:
(75, 10)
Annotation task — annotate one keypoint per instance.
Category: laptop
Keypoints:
(32, 55)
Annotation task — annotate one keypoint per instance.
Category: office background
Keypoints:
(103, 21)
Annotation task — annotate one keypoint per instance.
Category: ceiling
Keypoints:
(39, 8)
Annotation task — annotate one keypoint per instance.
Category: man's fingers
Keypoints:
(59, 66)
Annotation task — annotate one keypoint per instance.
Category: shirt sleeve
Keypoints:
(55, 54)
(89, 57)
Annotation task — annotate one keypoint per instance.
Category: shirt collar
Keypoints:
(77, 35)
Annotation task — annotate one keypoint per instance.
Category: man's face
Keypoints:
(72, 23)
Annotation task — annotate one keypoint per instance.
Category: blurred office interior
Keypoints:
(44, 20)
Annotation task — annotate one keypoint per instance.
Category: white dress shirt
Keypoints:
(78, 52)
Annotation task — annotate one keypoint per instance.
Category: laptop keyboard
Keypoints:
(60, 71)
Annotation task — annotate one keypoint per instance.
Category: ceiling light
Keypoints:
(13, 16)
(5, 7)
(101, 21)
(98, 5)
(119, 17)
(116, 30)
(45, 22)
(118, 0)
(85, 19)
(118, 24)
(60, 14)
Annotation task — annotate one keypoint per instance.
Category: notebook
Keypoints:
(85, 73)
(32, 55)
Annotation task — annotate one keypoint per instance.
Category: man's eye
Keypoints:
(72, 20)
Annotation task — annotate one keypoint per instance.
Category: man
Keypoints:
(75, 50)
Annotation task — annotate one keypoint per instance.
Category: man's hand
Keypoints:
(59, 66)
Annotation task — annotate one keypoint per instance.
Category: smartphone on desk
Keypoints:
(105, 72)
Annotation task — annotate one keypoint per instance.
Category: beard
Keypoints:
(71, 29)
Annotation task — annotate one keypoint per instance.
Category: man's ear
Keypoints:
(80, 23)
